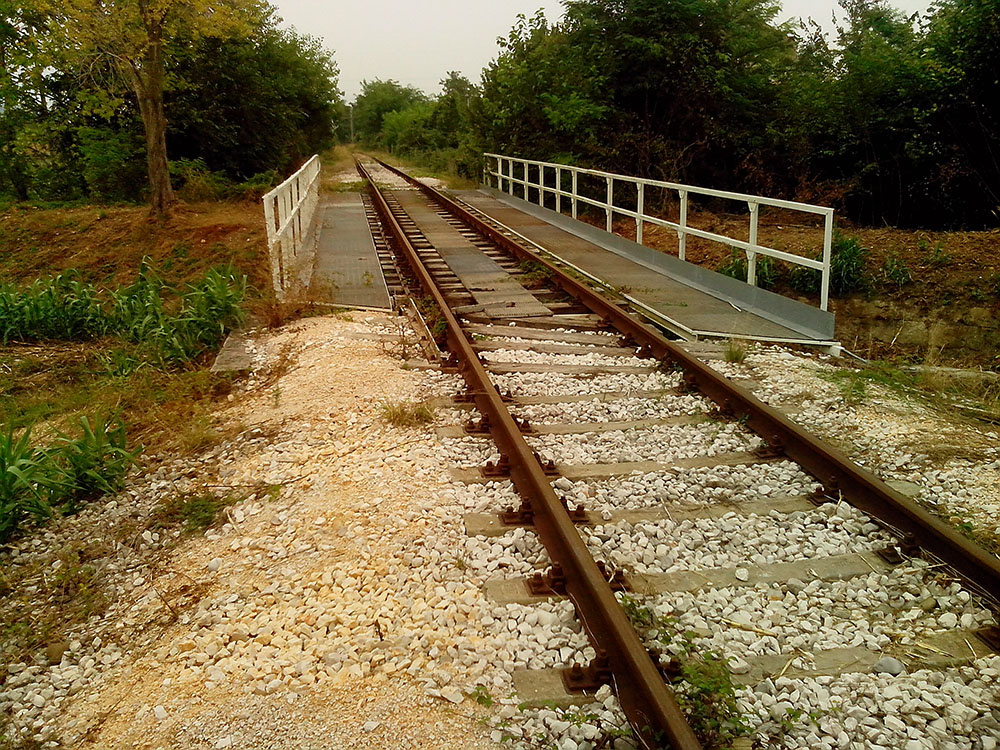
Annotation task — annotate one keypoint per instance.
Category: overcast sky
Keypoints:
(417, 42)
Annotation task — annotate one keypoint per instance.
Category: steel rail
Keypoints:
(644, 696)
(841, 477)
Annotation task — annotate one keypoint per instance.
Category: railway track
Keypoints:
(690, 525)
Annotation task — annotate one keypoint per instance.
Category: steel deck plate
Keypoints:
(697, 311)
(490, 285)
(347, 267)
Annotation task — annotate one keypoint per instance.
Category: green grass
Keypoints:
(700, 677)
(735, 352)
(406, 413)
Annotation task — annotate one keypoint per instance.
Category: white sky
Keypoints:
(417, 42)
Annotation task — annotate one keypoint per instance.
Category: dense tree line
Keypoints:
(94, 97)
(895, 120)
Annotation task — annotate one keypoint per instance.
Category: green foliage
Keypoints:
(896, 271)
(251, 106)
(847, 265)
(34, 481)
(700, 678)
(112, 162)
(91, 465)
(936, 256)
(64, 308)
(26, 473)
(377, 99)
(66, 134)
(737, 267)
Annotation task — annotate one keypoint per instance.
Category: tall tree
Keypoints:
(377, 99)
(132, 36)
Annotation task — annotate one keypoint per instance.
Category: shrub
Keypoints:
(847, 265)
(737, 267)
(896, 271)
(847, 269)
(196, 182)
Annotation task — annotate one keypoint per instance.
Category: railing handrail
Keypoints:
(751, 247)
(288, 215)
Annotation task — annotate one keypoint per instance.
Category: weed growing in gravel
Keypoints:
(516, 734)
(406, 413)
(700, 678)
(196, 511)
(735, 352)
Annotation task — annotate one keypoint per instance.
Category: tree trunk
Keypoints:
(148, 85)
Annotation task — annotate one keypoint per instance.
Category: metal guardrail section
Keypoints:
(840, 476)
(506, 180)
(288, 216)
(645, 698)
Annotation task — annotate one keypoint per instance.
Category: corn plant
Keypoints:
(62, 307)
(65, 308)
(91, 465)
(26, 474)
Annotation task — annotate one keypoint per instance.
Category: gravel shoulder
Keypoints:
(307, 618)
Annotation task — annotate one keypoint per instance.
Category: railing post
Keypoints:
(575, 175)
(510, 177)
(527, 179)
(610, 202)
(541, 185)
(558, 190)
(640, 207)
(752, 254)
(824, 299)
(682, 230)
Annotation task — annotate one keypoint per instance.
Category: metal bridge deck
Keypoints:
(691, 301)
(499, 295)
(347, 270)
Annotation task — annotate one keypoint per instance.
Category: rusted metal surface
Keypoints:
(642, 692)
(840, 476)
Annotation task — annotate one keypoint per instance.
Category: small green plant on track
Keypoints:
(700, 678)
(534, 274)
(406, 413)
(735, 352)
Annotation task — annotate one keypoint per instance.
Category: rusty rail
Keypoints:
(840, 476)
(647, 701)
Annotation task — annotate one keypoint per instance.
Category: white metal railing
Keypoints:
(288, 214)
(506, 180)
